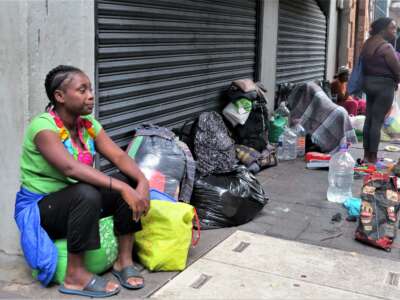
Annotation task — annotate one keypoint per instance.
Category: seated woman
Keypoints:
(339, 90)
(63, 196)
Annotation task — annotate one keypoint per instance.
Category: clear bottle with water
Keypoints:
(301, 139)
(280, 147)
(340, 177)
(289, 145)
(283, 110)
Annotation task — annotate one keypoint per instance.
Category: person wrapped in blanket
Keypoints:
(63, 196)
(339, 90)
(381, 69)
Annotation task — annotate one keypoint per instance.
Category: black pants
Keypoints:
(380, 93)
(74, 212)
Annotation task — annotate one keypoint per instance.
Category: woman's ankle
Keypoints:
(119, 264)
(79, 277)
(366, 156)
(76, 273)
(373, 157)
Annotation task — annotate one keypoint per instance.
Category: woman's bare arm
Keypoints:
(50, 146)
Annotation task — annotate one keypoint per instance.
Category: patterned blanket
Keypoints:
(327, 122)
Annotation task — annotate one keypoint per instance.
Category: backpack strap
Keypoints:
(188, 179)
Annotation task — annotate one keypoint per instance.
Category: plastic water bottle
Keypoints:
(283, 110)
(301, 139)
(289, 144)
(280, 147)
(340, 177)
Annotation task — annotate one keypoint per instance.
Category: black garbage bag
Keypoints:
(228, 199)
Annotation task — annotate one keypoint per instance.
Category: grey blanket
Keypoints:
(327, 122)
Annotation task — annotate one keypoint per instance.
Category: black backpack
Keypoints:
(214, 150)
(187, 132)
(254, 133)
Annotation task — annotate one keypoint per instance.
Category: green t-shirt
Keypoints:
(37, 175)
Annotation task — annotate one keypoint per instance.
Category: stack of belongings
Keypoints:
(224, 194)
(166, 162)
(167, 229)
(316, 160)
(326, 122)
(247, 113)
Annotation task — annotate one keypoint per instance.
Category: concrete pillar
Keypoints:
(344, 33)
(331, 55)
(268, 48)
(14, 95)
(37, 35)
(60, 32)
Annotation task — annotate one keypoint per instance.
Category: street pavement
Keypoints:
(254, 266)
(298, 216)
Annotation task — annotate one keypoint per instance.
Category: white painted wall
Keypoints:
(35, 36)
(14, 111)
(332, 41)
(60, 32)
(268, 48)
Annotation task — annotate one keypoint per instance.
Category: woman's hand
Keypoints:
(134, 200)
(143, 190)
(126, 165)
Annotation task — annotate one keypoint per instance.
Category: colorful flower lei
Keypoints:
(67, 141)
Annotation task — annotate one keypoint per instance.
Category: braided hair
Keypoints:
(55, 78)
(379, 24)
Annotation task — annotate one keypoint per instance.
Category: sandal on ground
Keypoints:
(96, 288)
(125, 274)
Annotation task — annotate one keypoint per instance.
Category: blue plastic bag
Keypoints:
(353, 206)
(356, 78)
(157, 195)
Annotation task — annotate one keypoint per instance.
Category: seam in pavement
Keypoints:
(303, 230)
(10, 253)
(288, 277)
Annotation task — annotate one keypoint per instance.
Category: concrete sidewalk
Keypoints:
(297, 211)
(253, 266)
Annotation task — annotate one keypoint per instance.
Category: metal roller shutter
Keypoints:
(166, 61)
(301, 41)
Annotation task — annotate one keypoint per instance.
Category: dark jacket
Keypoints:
(380, 59)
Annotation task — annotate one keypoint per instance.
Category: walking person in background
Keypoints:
(63, 196)
(381, 70)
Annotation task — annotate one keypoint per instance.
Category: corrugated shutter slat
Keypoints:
(301, 42)
(166, 61)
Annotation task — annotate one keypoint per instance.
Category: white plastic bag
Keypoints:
(234, 115)
(357, 122)
(391, 125)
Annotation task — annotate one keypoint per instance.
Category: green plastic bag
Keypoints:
(276, 128)
(243, 105)
(360, 136)
(96, 261)
(164, 241)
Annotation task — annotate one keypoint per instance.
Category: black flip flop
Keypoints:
(96, 288)
(125, 274)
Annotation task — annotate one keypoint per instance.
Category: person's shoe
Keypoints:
(125, 274)
(96, 288)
